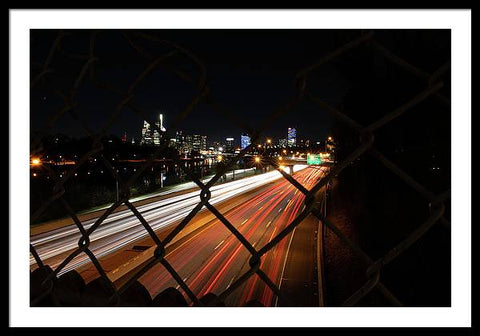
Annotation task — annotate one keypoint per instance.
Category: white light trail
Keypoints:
(122, 228)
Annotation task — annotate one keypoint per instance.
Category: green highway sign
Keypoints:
(314, 159)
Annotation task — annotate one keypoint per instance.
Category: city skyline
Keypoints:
(145, 128)
(150, 136)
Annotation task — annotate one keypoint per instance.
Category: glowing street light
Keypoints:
(36, 161)
(257, 159)
(280, 158)
(219, 158)
(269, 141)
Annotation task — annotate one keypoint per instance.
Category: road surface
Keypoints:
(213, 258)
(122, 228)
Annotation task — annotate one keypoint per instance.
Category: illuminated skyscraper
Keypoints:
(245, 141)
(188, 144)
(199, 142)
(291, 137)
(179, 141)
(157, 137)
(146, 134)
(151, 136)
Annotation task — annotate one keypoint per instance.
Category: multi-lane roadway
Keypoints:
(122, 228)
(213, 258)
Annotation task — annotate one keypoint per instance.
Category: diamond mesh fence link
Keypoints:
(49, 287)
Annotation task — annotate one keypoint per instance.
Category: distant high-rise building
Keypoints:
(187, 144)
(158, 136)
(291, 137)
(229, 145)
(282, 142)
(151, 136)
(146, 134)
(245, 141)
(124, 137)
(160, 123)
(199, 142)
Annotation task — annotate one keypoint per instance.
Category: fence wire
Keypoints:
(197, 79)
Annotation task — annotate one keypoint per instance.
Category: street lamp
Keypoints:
(36, 161)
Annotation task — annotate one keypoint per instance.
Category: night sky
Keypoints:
(250, 72)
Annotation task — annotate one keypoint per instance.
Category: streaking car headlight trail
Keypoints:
(123, 228)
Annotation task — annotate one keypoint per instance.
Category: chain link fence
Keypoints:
(47, 288)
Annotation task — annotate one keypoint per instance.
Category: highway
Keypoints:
(186, 186)
(122, 228)
(213, 258)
